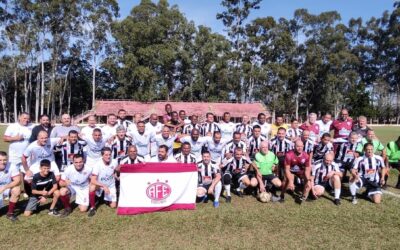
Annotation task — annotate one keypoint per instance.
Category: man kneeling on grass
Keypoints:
(326, 175)
(44, 186)
(10, 181)
(209, 179)
(103, 178)
(365, 173)
(76, 181)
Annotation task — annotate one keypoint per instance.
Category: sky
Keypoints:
(203, 12)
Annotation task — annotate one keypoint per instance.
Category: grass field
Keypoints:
(245, 223)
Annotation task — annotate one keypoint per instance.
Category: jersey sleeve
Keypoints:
(95, 170)
(276, 160)
(34, 182)
(14, 171)
(54, 169)
(10, 129)
(53, 178)
(28, 150)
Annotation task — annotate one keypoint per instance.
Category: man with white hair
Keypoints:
(312, 126)
(361, 127)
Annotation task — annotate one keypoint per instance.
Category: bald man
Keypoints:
(297, 164)
(326, 175)
(63, 129)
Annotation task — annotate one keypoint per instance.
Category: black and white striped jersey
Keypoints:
(236, 166)
(230, 147)
(68, 150)
(190, 158)
(245, 129)
(309, 146)
(254, 144)
(345, 153)
(209, 128)
(369, 167)
(124, 123)
(128, 160)
(120, 147)
(207, 172)
(280, 147)
(321, 170)
(293, 133)
(320, 150)
(187, 129)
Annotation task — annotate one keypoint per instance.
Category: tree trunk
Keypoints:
(25, 90)
(69, 96)
(42, 87)
(29, 90)
(37, 96)
(3, 101)
(94, 81)
(15, 94)
(63, 89)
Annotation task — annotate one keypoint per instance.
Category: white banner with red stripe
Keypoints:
(157, 187)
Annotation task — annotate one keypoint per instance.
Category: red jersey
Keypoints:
(297, 163)
(342, 129)
(314, 130)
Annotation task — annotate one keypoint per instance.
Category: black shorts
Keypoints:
(204, 186)
(346, 166)
(325, 184)
(268, 178)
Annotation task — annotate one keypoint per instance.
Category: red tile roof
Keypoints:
(105, 107)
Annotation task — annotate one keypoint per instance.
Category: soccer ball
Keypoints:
(265, 197)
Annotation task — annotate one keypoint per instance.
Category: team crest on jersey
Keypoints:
(158, 191)
(303, 161)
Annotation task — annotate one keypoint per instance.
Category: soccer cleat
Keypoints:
(239, 193)
(300, 200)
(228, 199)
(12, 217)
(66, 212)
(275, 198)
(91, 212)
(354, 200)
(204, 199)
(216, 204)
(337, 202)
(25, 195)
(53, 212)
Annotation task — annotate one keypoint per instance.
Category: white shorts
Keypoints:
(5, 194)
(81, 194)
(112, 196)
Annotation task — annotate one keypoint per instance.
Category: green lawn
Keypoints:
(245, 223)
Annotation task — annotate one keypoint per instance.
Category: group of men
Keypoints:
(245, 158)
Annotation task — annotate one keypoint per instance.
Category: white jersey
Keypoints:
(227, 130)
(170, 159)
(131, 128)
(35, 153)
(324, 127)
(93, 148)
(160, 140)
(17, 148)
(196, 146)
(155, 129)
(87, 132)
(35, 168)
(105, 173)
(216, 149)
(77, 178)
(294, 133)
(142, 142)
(265, 128)
(230, 147)
(8, 173)
(107, 131)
